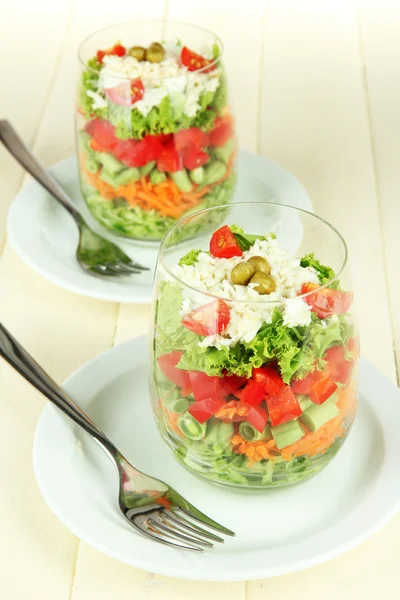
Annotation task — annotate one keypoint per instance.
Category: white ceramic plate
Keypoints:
(45, 236)
(278, 532)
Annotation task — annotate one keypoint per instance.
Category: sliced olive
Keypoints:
(242, 273)
(137, 52)
(155, 53)
(265, 283)
(260, 264)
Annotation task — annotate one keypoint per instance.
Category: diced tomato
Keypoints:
(338, 368)
(253, 393)
(210, 319)
(137, 153)
(167, 363)
(230, 384)
(170, 159)
(190, 138)
(283, 407)
(204, 386)
(322, 390)
(223, 244)
(117, 50)
(194, 158)
(257, 417)
(103, 133)
(194, 61)
(205, 409)
(222, 131)
(304, 386)
(271, 380)
(327, 301)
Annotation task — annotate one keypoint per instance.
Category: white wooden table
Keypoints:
(315, 86)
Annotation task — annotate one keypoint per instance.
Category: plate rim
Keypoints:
(138, 297)
(248, 574)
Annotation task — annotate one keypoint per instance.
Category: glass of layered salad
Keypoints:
(155, 134)
(255, 350)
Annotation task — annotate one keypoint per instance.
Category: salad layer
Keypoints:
(256, 387)
(156, 139)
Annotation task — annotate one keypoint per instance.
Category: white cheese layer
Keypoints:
(212, 275)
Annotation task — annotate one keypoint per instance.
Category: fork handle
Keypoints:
(22, 361)
(14, 144)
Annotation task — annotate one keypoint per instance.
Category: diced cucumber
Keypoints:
(197, 175)
(287, 434)
(182, 180)
(224, 153)
(157, 177)
(92, 165)
(304, 401)
(145, 170)
(191, 428)
(84, 138)
(317, 415)
(127, 176)
(214, 172)
(251, 434)
(110, 163)
(108, 178)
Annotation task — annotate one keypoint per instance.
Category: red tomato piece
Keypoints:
(271, 380)
(322, 390)
(223, 244)
(304, 386)
(257, 417)
(167, 363)
(190, 138)
(117, 50)
(170, 159)
(205, 409)
(338, 368)
(327, 301)
(222, 131)
(253, 393)
(103, 133)
(194, 158)
(283, 407)
(230, 384)
(204, 386)
(210, 319)
(194, 61)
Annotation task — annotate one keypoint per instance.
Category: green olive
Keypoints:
(242, 273)
(155, 53)
(260, 264)
(137, 52)
(265, 283)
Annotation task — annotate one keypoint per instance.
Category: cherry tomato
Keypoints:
(223, 244)
(327, 301)
(322, 390)
(194, 61)
(117, 50)
(167, 363)
(210, 319)
(194, 157)
(283, 407)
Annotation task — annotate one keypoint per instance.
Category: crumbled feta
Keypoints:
(167, 77)
(212, 275)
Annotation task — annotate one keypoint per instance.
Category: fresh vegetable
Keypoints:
(194, 61)
(326, 302)
(212, 318)
(204, 409)
(223, 244)
(117, 50)
(167, 363)
(253, 393)
(322, 390)
(283, 406)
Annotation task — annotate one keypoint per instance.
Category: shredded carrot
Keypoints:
(165, 197)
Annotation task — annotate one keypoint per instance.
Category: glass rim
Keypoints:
(217, 39)
(261, 300)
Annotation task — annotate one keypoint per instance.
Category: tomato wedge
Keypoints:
(283, 407)
(117, 50)
(194, 61)
(327, 301)
(322, 390)
(167, 363)
(253, 393)
(205, 409)
(223, 244)
(210, 319)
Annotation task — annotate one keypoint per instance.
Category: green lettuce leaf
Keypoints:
(170, 333)
(324, 272)
(190, 258)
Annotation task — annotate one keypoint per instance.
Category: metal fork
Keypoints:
(153, 507)
(94, 254)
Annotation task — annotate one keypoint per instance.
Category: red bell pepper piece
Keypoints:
(257, 417)
(304, 386)
(253, 393)
(205, 409)
(271, 380)
(283, 407)
(322, 390)
(338, 368)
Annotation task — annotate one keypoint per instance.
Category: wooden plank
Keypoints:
(379, 28)
(29, 53)
(315, 123)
